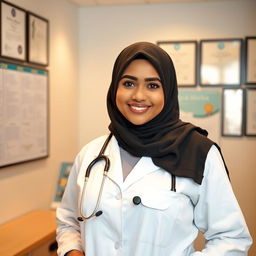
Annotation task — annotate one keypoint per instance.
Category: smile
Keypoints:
(138, 108)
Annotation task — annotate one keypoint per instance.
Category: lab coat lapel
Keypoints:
(115, 171)
(144, 166)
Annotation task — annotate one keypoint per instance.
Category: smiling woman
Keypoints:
(140, 95)
(164, 180)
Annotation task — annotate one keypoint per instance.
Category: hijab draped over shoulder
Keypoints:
(178, 147)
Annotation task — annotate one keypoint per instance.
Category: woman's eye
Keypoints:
(153, 86)
(128, 84)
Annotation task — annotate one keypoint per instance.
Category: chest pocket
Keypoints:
(159, 214)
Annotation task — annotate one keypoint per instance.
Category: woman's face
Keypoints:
(140, 95)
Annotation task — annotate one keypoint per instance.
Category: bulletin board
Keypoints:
(23, 114)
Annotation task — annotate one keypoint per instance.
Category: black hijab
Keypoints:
(178, 147)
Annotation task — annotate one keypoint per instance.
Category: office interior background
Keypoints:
(84, 42)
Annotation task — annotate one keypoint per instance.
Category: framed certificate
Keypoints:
(38, 39)
(232, 112)
(250, 112)
(184, 56)
(250, 60)
(220, 62)
(13, 31)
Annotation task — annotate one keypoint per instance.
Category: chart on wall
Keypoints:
(202, 108)
(23, 114)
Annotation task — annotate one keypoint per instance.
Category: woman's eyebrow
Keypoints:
(129, 77)
(148, 79)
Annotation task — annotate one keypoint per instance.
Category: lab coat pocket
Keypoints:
(157, 215)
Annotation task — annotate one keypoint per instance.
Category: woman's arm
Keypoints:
(217, 213)
(68, 230)
(74, 253)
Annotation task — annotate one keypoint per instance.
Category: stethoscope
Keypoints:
(96, 212)
(100, 157)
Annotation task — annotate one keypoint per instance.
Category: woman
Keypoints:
(166, 179)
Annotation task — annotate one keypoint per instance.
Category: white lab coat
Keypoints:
(164, 224)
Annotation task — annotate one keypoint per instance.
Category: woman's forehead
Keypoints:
(141, 65)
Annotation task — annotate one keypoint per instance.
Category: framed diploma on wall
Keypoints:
(13, 32)
(232, 112)
(184, 57)
(220, 62)
(250, 60)
(38, 39)
(250, 112)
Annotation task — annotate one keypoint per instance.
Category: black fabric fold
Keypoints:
(176, 146)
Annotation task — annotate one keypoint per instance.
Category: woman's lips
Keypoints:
(138, 109)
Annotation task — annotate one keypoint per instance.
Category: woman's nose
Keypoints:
(139, 94)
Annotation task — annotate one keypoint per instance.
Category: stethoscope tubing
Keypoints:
(94, 213)
(99, 158)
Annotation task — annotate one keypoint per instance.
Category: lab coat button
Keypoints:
(136, 200)
(117, 245)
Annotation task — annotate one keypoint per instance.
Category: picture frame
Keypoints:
(250, 60)
(13, 32)
(184, 57)
(220, 62)
(250, 112)
(38, 39)
(24, 130)
(232, 112)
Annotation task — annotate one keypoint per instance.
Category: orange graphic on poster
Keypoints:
(208, 108)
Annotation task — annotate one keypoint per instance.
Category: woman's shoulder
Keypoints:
(94, 145)
(214, 154)
(215, 164)
(89, 151)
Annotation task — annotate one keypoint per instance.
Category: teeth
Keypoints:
(139, 108)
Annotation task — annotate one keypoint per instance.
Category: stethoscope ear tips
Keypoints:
(80, 219)
(136, 200)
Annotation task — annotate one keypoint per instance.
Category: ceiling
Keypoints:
(127, 2)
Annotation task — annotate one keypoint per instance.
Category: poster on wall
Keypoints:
(202, 108)
(220, 62)
(184, 57)
(13, 32)
(23, 114)
(38, 39)
(64, 172)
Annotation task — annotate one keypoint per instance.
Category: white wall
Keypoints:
(30, 186)
(104, 31)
